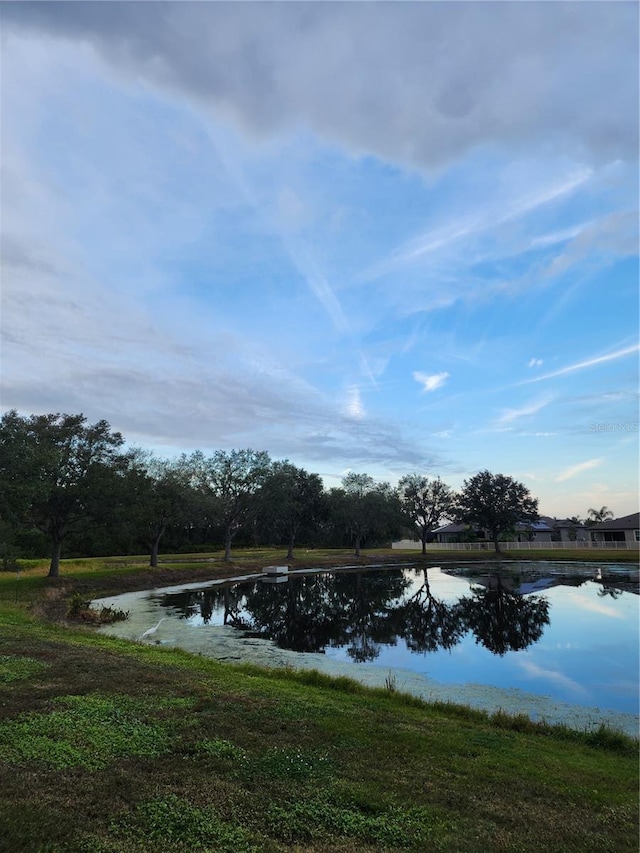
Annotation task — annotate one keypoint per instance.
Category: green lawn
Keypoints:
(107, 746)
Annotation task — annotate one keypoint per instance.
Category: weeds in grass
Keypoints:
(605, 737)
(221, 749)
(175, 824)
(17, 668)
(391, 682)
(290, 763)
(88, 731)
(321, 818)
(301, 765)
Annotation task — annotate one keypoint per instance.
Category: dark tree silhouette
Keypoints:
(495, 503)
(597, 516)
(502, 620)
(60, 474)
(427, 624)
(426, 503)
(290, 498)
(232, 481)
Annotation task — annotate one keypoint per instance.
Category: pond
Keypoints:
(556, 641)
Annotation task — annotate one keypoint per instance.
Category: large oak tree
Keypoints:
(164, 497)
(364, 509)
(427, 503)
(495, 503)
(232, 480)
(60, 474)
(291, 499)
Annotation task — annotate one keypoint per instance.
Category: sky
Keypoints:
(376, 237)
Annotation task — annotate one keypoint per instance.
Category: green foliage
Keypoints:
(163, 496)
(365, 510)
(289, 763)
(58, 473)
(17, 668)
(291, 500)
(391, 682)
(171, 823)
(495, 503)
(231, 480)
(597, 516)
(607, 738)
(315, 678)
(88, 731)
(8, 558)
(323, 817)
(294, 763)
(426, 503)
(80, 609)
(220, 749)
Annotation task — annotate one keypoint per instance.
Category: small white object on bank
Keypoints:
(275, 571)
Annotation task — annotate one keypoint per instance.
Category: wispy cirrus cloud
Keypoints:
(614, 234)
(511, 415)
(573, 470)
(583, 365)
(487, 218)
(556, 237)
(430, 382)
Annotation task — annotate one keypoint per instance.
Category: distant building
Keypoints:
(546, 529)
(625, 529)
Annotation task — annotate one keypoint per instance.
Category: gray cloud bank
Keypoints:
(418, 83)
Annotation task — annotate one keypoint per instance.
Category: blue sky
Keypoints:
(376, 237)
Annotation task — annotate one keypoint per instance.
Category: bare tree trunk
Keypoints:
(424, 542)
(290, 550)
(54, 568)
(227, 546)
(155, 547)
(496, 543)
(357, 552)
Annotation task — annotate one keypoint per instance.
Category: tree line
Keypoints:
(66, 483)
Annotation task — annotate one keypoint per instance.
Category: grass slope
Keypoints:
(107, 746)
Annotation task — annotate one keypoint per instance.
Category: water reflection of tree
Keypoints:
(427, 623)
(363, 610)
(368, 603)
(203, 603)
(503, 620)
(311, 613)
(299, 615)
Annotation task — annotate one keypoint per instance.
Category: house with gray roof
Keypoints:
(545, 529)
(625, 530)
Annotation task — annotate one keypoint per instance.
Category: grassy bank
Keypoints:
(110, 575)
(107, 746)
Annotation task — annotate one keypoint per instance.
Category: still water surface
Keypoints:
(556, 630)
